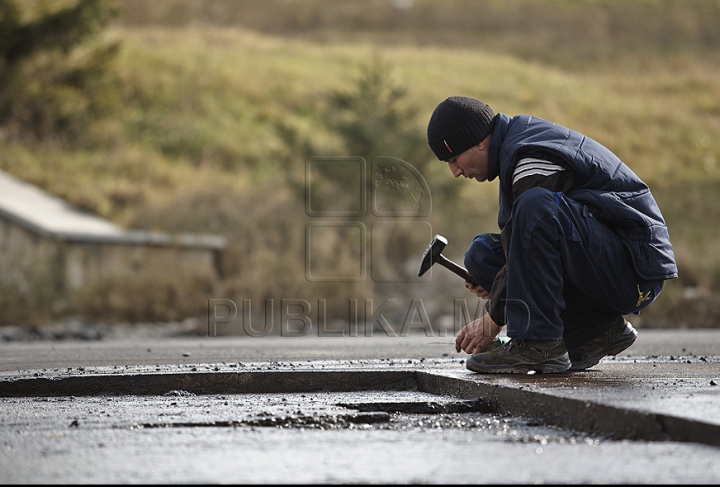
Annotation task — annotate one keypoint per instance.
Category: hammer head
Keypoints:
(432, 253)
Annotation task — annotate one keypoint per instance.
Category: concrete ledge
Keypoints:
(576, 414)
(210, 383)
(156, 239)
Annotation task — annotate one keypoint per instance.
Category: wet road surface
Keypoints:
(266, 438)
(472, 429)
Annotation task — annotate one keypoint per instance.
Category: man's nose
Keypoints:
(456, 171)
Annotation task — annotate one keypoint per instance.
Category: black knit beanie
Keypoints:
(457, 124)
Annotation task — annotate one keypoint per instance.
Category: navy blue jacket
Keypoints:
(602, 182)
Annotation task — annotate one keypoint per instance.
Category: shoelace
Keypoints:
(515, 343)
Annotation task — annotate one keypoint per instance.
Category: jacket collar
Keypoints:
(502, 124)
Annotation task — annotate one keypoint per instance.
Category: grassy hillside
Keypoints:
(222, 103)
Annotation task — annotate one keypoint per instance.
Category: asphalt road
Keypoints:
(181, 437)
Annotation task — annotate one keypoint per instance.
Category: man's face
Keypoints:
(473, 163)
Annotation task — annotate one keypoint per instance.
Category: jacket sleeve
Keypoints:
(537, 173)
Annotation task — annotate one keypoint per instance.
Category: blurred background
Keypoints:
(200, 116)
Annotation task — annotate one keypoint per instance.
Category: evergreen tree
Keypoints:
(53, 74)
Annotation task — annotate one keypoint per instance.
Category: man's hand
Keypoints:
(477, 335)
(479, 292)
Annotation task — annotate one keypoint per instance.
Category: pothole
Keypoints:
(427, 407)
(392, 410)
(378, 411)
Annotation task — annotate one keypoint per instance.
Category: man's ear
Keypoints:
(485, 143)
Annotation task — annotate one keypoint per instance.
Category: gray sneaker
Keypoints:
(522, 356)
(619, 337)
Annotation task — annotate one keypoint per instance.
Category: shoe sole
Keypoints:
(554, 366)
(626, 338)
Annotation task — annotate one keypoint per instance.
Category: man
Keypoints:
(582, 241)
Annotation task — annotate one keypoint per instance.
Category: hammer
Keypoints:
(433, 254)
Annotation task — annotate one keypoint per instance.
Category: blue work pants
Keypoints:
(568, 274)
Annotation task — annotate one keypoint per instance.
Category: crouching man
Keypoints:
(582, 241)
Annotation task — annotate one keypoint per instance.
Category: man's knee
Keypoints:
(484, 258)
(533, 204)
(534, 199)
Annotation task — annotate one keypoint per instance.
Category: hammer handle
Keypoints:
(457, 269)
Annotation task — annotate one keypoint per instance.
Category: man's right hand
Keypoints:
(477, 335)
(479, 292)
